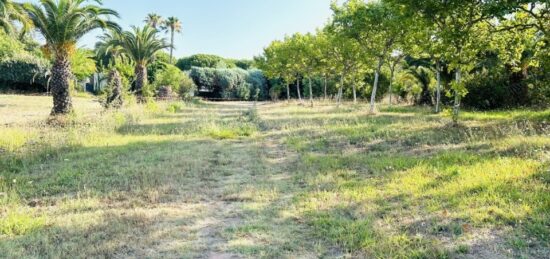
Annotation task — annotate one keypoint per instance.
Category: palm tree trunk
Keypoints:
(141, 79)
(172, 45)
(60, 86)
(375, 86)
(310, 92)
(115, 82)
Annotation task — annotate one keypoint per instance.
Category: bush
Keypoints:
(187, 87)
(21, 69)
(204, 61)
(233, 83)
(178, 81)
(82, 64)
(171, 76)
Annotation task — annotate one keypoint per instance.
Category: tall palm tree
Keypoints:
(62, 23)
(173, 25)
(140, 45)
(154, 20)
(10, 12)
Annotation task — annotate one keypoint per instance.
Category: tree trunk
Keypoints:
(456, 107)
(60, 86)
(325, 87)
(115, 82)
(438, 91)
(354, 92)
(340, 92)
(298, 89)
(171, 46)
(141, 79)
(391, 83)
(375, 86)
(288, 92)
(310, 92)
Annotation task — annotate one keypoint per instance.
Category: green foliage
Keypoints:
(61, 32)
(233, 83)
(83, 64)
(176, 79)
(21, 69)
(205, 61)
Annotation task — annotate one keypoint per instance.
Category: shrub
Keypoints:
(82, 64)
(171, 76)
(187, 87)
(204, 61)
(233, 83)
(178, 81)
(21, 69)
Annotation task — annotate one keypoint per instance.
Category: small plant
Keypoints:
(174, 108)
(151, 105)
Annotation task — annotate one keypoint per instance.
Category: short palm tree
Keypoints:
(62, 23)
(173, 25)
(140, 45)
(154, 20)
(10, 12)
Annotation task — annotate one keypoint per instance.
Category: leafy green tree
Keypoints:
(377, 26)
(154, 20)
(202, 60)
(307, 57)
(348, 58)
(273, 62)
(173, 26)
(62, 23)
(458, 27)
(140, 45)
(83, 64)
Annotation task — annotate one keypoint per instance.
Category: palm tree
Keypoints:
(420, 71)
(10, 12)
(154, 20)
(62, 23)
(140, 45)
(173, 25)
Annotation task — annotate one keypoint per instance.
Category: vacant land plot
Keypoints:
(222, 180)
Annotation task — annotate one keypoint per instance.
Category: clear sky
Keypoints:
(229, 28)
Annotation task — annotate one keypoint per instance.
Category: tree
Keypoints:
(272, 62)
(458, 29)
(140, 45)
(62, 23)
(349, 60)
(11, 12)
(394, 61)
(377, 26)
(203, 60)
(307, 57)
(173, 25)
(154, 20)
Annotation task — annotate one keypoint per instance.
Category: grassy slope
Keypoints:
(277, 181)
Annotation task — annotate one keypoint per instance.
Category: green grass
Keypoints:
(273, 180)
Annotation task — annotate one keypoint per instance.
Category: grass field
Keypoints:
(275, 180)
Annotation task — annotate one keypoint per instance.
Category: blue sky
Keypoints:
(230, 28)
